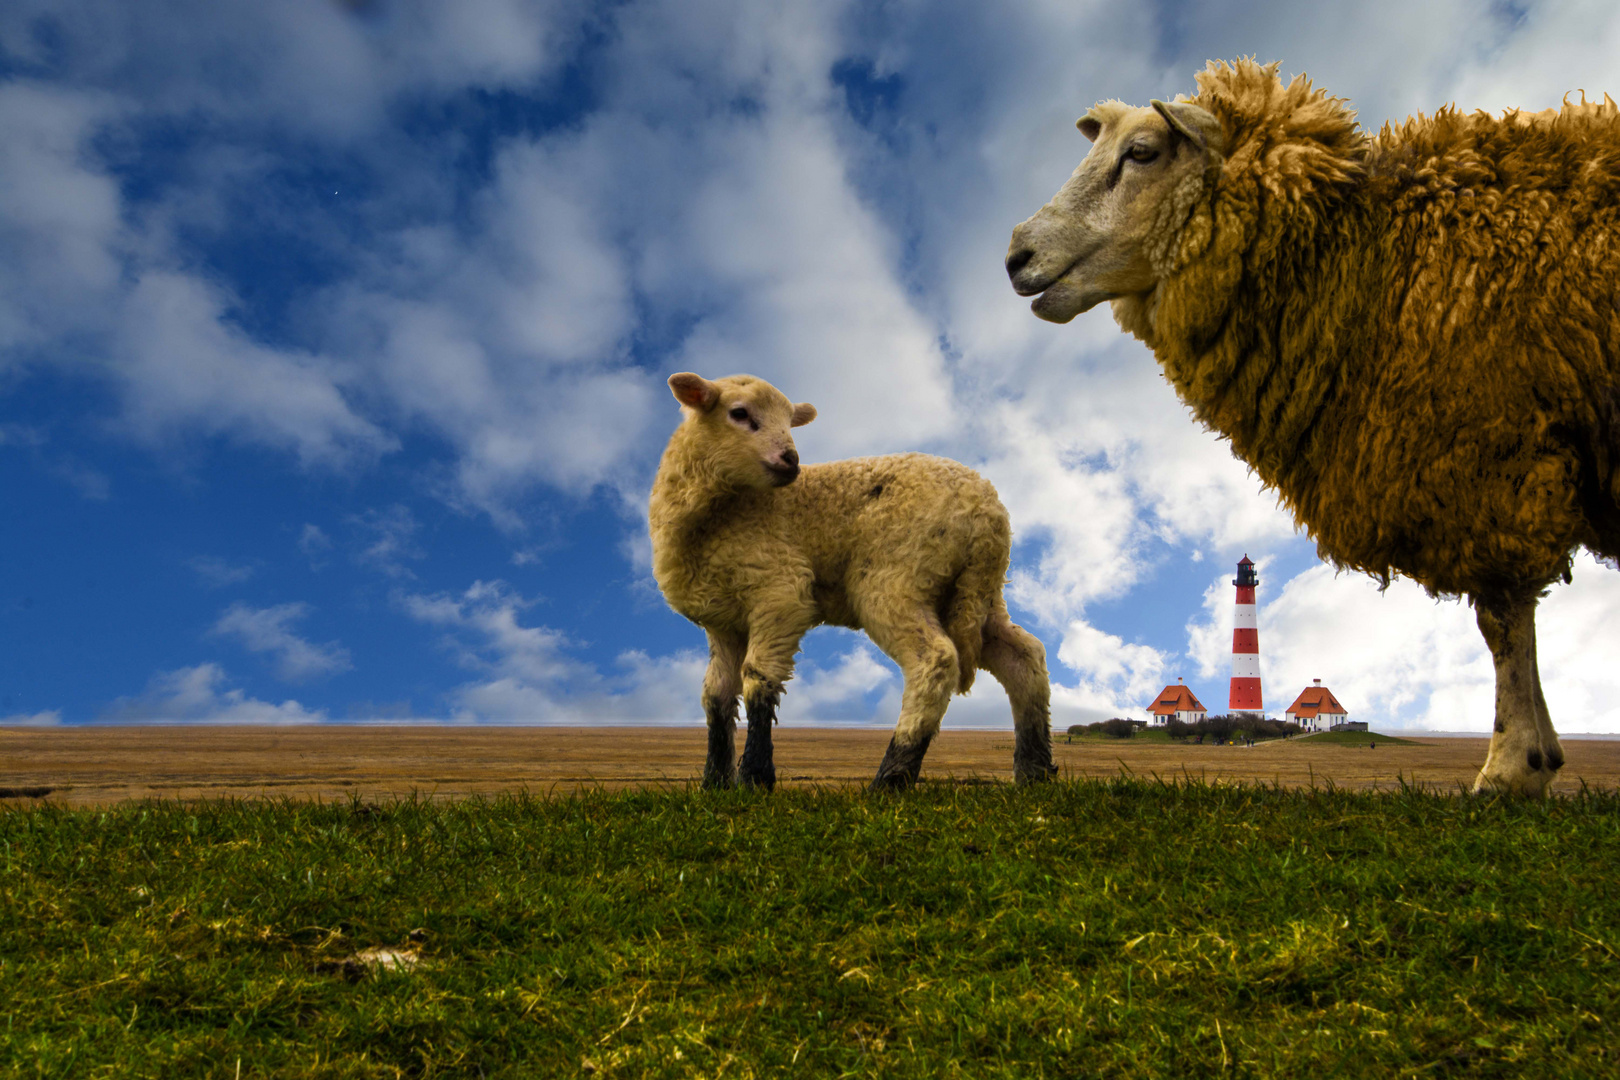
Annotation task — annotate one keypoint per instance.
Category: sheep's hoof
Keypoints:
(1034, 774)
(900, 767)
(1524, 772)
(717, 781)
(761, 778)
(1531, 785)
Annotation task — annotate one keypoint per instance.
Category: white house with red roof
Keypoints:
(1177, 702)
(1316, 709)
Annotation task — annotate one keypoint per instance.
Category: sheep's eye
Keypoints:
(1141, 154)
(738, 413)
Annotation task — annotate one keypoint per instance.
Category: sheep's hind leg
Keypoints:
(928, 661)
(721, 685)
(1524, 754)
(1017, 660)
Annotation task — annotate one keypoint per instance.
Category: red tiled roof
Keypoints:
(1177, 697)
(1314, 700)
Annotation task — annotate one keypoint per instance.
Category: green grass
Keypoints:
(1160, 735)
(1124, 928)
(1147, 734)
(1356, 738)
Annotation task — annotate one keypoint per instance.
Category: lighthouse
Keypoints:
(1245, 696)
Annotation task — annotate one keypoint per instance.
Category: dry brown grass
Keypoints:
(88, 766)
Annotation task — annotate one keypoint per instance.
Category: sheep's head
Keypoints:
(1109, 231)
(745, 425)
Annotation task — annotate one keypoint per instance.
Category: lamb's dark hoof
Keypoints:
(901, 765)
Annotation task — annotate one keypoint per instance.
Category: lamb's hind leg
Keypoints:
(1524, 754)
(1017, 659)
(721, 685)
(927, 659)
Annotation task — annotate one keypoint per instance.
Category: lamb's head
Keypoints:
(1109, 232)
(745, 428)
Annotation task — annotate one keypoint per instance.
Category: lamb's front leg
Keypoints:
(766, 669)
(721, 685)
(1524, 754)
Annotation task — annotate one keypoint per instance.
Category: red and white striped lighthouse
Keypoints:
(1245, 696)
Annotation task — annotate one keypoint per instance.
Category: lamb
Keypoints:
(757, 550)
(1413, 339)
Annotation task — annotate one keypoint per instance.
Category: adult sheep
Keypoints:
(757, 550)
(1412, 338)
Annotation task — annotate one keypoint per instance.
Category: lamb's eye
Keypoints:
(1141, 154)
(738, 413)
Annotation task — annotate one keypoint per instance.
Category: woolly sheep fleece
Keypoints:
(757, 550)
(1412, 338)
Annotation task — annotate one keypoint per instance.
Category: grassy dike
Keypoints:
(1096, 928)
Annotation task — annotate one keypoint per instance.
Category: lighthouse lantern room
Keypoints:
(1245, 695)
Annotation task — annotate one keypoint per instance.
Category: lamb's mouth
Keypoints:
(781, 475)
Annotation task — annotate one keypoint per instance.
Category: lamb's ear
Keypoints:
(694, 391)
(803, 413)
(1193, 122)
(1089, 126)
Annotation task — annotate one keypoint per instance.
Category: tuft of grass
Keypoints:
(1094, 928)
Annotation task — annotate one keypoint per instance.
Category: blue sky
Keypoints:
(333, 339)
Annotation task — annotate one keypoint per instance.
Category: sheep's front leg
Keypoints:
(1524, 754)
(721, 685)
(766, 670)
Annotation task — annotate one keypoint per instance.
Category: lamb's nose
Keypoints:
(790, 456)
(1017, 260)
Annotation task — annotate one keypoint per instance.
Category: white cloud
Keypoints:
(1556, 48)
(45, 718)
(1576, 642)
(1112, 669)
(314, 544)
(388, 539)
(217, 573)
(807, 293)
(526, 676)
(59, 217)
(317, 68)
(185, 366)
(493, 638)
(267, 630)
(194, 694)
(839, 693)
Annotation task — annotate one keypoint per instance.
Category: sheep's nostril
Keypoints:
(1017, 260)
(790, 457)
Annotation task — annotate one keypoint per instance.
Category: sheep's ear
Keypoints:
(694, 391)
(803, 413)
(1193, 122)
(1089, 126)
